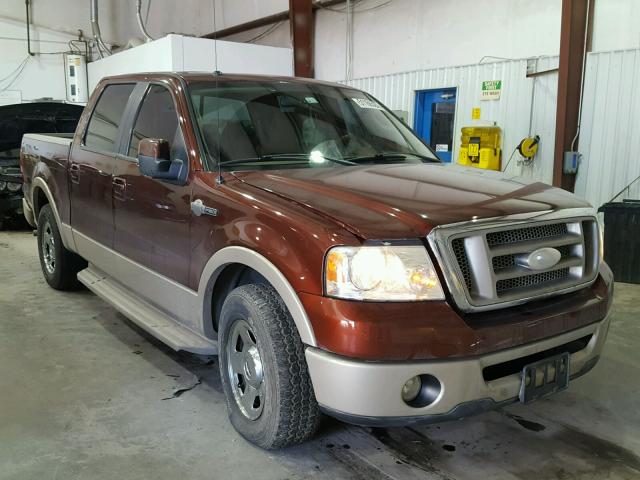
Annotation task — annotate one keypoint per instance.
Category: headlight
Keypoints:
(14, 187)
(381, 273)
(3, 185)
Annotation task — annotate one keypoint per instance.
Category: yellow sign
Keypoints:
(474, 149)
(475, 113)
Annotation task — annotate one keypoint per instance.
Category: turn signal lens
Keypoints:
(381, 273)
(601, 240)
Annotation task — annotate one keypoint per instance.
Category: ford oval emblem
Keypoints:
(540, 259)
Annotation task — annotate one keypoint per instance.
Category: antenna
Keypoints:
(215, 38)
(217, 72)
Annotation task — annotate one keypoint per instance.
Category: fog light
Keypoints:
(421, 391)
(411, 389)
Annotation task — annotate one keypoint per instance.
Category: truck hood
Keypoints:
(407, 201)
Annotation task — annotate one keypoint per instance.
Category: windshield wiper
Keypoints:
(282, 156)
(391, 156)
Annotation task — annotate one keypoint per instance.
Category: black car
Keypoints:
(15, 121)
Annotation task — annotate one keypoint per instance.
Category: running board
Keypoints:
(145, 315)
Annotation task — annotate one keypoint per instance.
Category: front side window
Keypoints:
(106, 118)
(281, 124)
(158, 118)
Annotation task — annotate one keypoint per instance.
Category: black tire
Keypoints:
(289, 413)
(59, 266)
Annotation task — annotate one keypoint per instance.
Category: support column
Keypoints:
(573, 33)
(301, 21)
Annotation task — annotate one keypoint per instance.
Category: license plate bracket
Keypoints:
(544, 377)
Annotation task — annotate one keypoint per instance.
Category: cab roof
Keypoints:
(191, 77)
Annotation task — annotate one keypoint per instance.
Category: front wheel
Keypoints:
(263, 369)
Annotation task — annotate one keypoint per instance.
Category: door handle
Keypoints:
(119, 188)
(74, 173)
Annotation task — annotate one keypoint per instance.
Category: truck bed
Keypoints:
(47, 156)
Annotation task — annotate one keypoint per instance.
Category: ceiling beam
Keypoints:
(266, 21)
(575, 36)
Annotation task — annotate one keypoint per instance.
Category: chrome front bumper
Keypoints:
(369, 393)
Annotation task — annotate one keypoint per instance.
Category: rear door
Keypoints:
(152, 216)
(91, 166)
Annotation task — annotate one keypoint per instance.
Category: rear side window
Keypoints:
(158, 118)
(106, 117)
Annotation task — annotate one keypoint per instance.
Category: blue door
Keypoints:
(433, 119)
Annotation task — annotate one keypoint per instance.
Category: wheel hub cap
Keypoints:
(48, 248)
(245, 371)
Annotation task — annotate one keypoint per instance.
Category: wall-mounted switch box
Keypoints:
(571, 162)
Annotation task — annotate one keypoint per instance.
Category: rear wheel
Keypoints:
(59, 265)
(263, 369)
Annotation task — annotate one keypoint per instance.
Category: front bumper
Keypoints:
(369, 393)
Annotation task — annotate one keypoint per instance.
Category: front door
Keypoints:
(434, 119)
(92, 163)
(152, 216)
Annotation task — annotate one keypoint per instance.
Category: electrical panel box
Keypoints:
(75, 71)
(480, 147)
(571, 162)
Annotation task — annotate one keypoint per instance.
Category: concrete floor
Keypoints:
(84, 394)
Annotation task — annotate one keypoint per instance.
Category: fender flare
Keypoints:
(256, 261)
(65, 230)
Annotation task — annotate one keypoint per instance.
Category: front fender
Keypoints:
(259, 263)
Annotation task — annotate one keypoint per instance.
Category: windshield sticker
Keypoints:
(310, 99)
(366, 103)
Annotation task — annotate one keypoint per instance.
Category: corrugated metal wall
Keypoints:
(610, 131)
(520, 111)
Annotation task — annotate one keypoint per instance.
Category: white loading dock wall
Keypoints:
(179, 53)
(610, 131)
(522, 110)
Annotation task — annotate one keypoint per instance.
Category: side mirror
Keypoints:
(154, 160)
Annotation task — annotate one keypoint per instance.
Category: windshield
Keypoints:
(250, 125)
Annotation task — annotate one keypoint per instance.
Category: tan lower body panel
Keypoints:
(145, 315)
(372, 389)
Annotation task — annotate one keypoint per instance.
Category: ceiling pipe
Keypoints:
(95, 28)
(28, 7)
(143, 29)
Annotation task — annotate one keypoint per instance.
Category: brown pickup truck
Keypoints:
(306, 235)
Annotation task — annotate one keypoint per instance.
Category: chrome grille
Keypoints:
(487, 262)
(524, 234)
(508, 261)
(529, 280)
(463, 264)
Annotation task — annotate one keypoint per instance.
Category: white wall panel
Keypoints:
(521, 110)
(610, 131)
(43, 75)
(180, 53)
